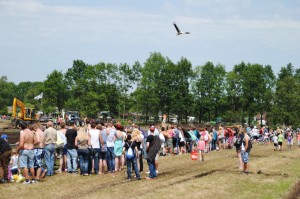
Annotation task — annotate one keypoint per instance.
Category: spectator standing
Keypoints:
(103, 148)
(71, 134)
(5, 154)
(110, 143)
(245, 151)
(131, 161)
(38, 150)
(82, 141)
(26, 157)
(50, 135)
(152, 147)
(95, 150)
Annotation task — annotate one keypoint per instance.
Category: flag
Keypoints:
(40, 96)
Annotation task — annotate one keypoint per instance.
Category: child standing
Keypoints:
(280, 140)
(201, 148)
(275, 141)
(13, 164)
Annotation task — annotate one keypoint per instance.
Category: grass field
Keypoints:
(273, 174)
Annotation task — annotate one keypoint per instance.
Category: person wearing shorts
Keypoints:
(245, 151)
(280, 140)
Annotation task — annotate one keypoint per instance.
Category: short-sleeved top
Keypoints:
(110, 137)
(280, 138)
(150, 139)
(71, 135)
(127, 144)
(95, 138)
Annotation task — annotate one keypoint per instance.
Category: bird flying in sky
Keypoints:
(178, 31)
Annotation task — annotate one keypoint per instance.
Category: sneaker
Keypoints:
(138, 178)
(148, 178)
(26, 182)
(156, 171)
(147, 172)
(34, 181)
(4, 180)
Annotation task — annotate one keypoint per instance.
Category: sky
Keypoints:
(40, 36)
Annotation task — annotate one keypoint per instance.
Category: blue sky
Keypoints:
(39, 36)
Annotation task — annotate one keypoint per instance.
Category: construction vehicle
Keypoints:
(21, 113)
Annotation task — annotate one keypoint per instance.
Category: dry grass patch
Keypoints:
(180, 177)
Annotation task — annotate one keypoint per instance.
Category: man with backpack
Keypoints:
(153, 145)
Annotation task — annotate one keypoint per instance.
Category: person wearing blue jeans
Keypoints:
(71, 134)
(152, 169)
(72, 160)
(131, 161)
(83, 155)
(49, 158)
(110, 157)
(50, 140)
(95, 158)
(152, 152)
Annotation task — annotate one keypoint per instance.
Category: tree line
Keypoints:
(161, 86)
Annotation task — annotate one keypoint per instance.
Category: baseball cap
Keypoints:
(4, 136)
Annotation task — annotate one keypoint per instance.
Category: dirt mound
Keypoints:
(295, 192)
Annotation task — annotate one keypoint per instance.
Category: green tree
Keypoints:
(7, 93)
(55, 90)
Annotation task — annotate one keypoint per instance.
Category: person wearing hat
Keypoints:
(5, 153)
(4, 136)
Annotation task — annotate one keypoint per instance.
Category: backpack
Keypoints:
(154, 148)
(129, 153)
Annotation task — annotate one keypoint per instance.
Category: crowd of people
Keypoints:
(102, 148)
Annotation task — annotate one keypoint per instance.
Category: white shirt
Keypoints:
(110, 140)
(95, 134)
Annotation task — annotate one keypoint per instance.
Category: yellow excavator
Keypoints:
(25, 114)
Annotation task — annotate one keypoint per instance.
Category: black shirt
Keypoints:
(71, 135)
(4, 146)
